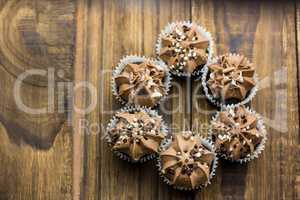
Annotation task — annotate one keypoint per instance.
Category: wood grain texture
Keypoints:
(127, 28)
(36, 149)
(41, 159)
(112, 30)
(249, 28)
(176, 109)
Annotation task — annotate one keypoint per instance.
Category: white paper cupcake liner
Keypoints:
(169, 28)
(206, 143)
(132, 59)
(261, 127)
(131, 108)
(217, 102)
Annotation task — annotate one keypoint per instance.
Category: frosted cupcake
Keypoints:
(140, 81)
(185, 47)
(135, 133)
(229, 79)
(187, 162)
(238, 133)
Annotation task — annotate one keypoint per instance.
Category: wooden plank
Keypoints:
(126, 28)
(122, 35)
(176, 109)
(250, 28)
(150, 29)
(112, 30)
(36, 148)
(280, 112)
(79, 97)
(203, 14)
(179, 11)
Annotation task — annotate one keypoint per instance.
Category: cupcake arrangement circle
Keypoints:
(186, 160)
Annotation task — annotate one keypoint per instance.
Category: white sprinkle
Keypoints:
(198, 155)
(233, 82)
(135, 124)
(241, 79)
(221, 137)
(156, 95)
(231, 112)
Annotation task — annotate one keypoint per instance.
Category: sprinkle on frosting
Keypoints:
(235, 133)
(136, 134)
(186, 162)
(232, 76)
(141, 83)
(184, 49)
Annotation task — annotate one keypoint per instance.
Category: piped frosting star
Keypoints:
(141, 83)
(186, 162)
(136, 134)
(232, 76)
(235, 133)
(184, 49)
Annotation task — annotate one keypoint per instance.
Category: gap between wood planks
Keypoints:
(297, 35)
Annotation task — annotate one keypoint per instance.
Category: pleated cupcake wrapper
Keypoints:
(170, 28)
(217, 102)
(133, 59)
(113, 122)
(125, 157)
(261, 127)
(206, 143)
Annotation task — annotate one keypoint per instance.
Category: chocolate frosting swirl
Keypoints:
(141, 83)
(186, 162)
(232, 76)
(184, 49)
(136, 134)
(235, 133)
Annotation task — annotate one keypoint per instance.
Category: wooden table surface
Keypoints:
(50, 156)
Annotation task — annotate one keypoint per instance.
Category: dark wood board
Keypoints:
(50, 156)
(36, 149)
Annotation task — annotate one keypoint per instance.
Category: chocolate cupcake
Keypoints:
(140, 81)
(238, 133)
(185, 47)
(135, 133)
(229, 79)
(187, 162)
